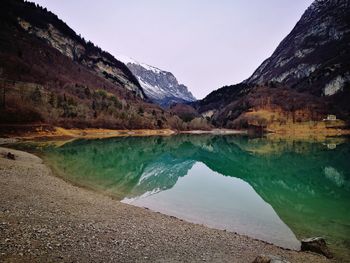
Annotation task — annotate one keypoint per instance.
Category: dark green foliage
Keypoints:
(36, 95)
(141, 110)
(187, 117)
(87, 92)
(101, 93)
(53, 100)
(116, 102)
(71, 101)
(159, 124)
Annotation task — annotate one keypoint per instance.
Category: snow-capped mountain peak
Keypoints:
(160, 86)
(126, 60)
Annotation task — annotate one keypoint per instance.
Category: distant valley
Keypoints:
(49, 74)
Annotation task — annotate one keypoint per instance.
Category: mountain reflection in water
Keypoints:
(268, 189)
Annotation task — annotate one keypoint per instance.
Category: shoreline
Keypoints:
(99, 133)
(44, 218)
(42, 132)
(215, 132)
(89, 133)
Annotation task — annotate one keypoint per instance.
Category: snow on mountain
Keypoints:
(126, 60)
(160, 86)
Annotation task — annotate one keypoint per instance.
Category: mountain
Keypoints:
(315, 56)
(306, 78)
(26, 17)
(51, 75)
(160, 86)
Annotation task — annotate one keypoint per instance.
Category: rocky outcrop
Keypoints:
(317, 245)
(55, 77)
(269, 259)
(59, 36)
(308, 73)
(160, 86)
(315, 55)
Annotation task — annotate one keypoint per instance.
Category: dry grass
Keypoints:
(91, 133)
(282, 123)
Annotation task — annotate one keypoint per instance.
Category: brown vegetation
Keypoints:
(43, 85)
(80, 106)
(270, 107)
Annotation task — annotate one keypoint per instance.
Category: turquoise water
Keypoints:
(275, 190)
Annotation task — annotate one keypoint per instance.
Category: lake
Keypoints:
(276, 190)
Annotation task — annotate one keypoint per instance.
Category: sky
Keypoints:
(206, 44)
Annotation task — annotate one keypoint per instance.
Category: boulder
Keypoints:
(317, 245)
(269, 259)
(10, 156)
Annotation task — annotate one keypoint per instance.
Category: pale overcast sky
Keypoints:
(205, 43)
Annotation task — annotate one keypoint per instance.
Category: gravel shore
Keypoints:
(45, 219)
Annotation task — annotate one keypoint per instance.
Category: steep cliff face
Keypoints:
(47, 27)
(305, 79)
(315, 56)
(160, 86)
(53, 76)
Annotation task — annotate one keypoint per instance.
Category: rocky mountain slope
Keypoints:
(314, 57)
(160, 86)
(306, 78)
(46, 26)
(49, 74)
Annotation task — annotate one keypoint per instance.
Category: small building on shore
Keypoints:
(330, 117)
